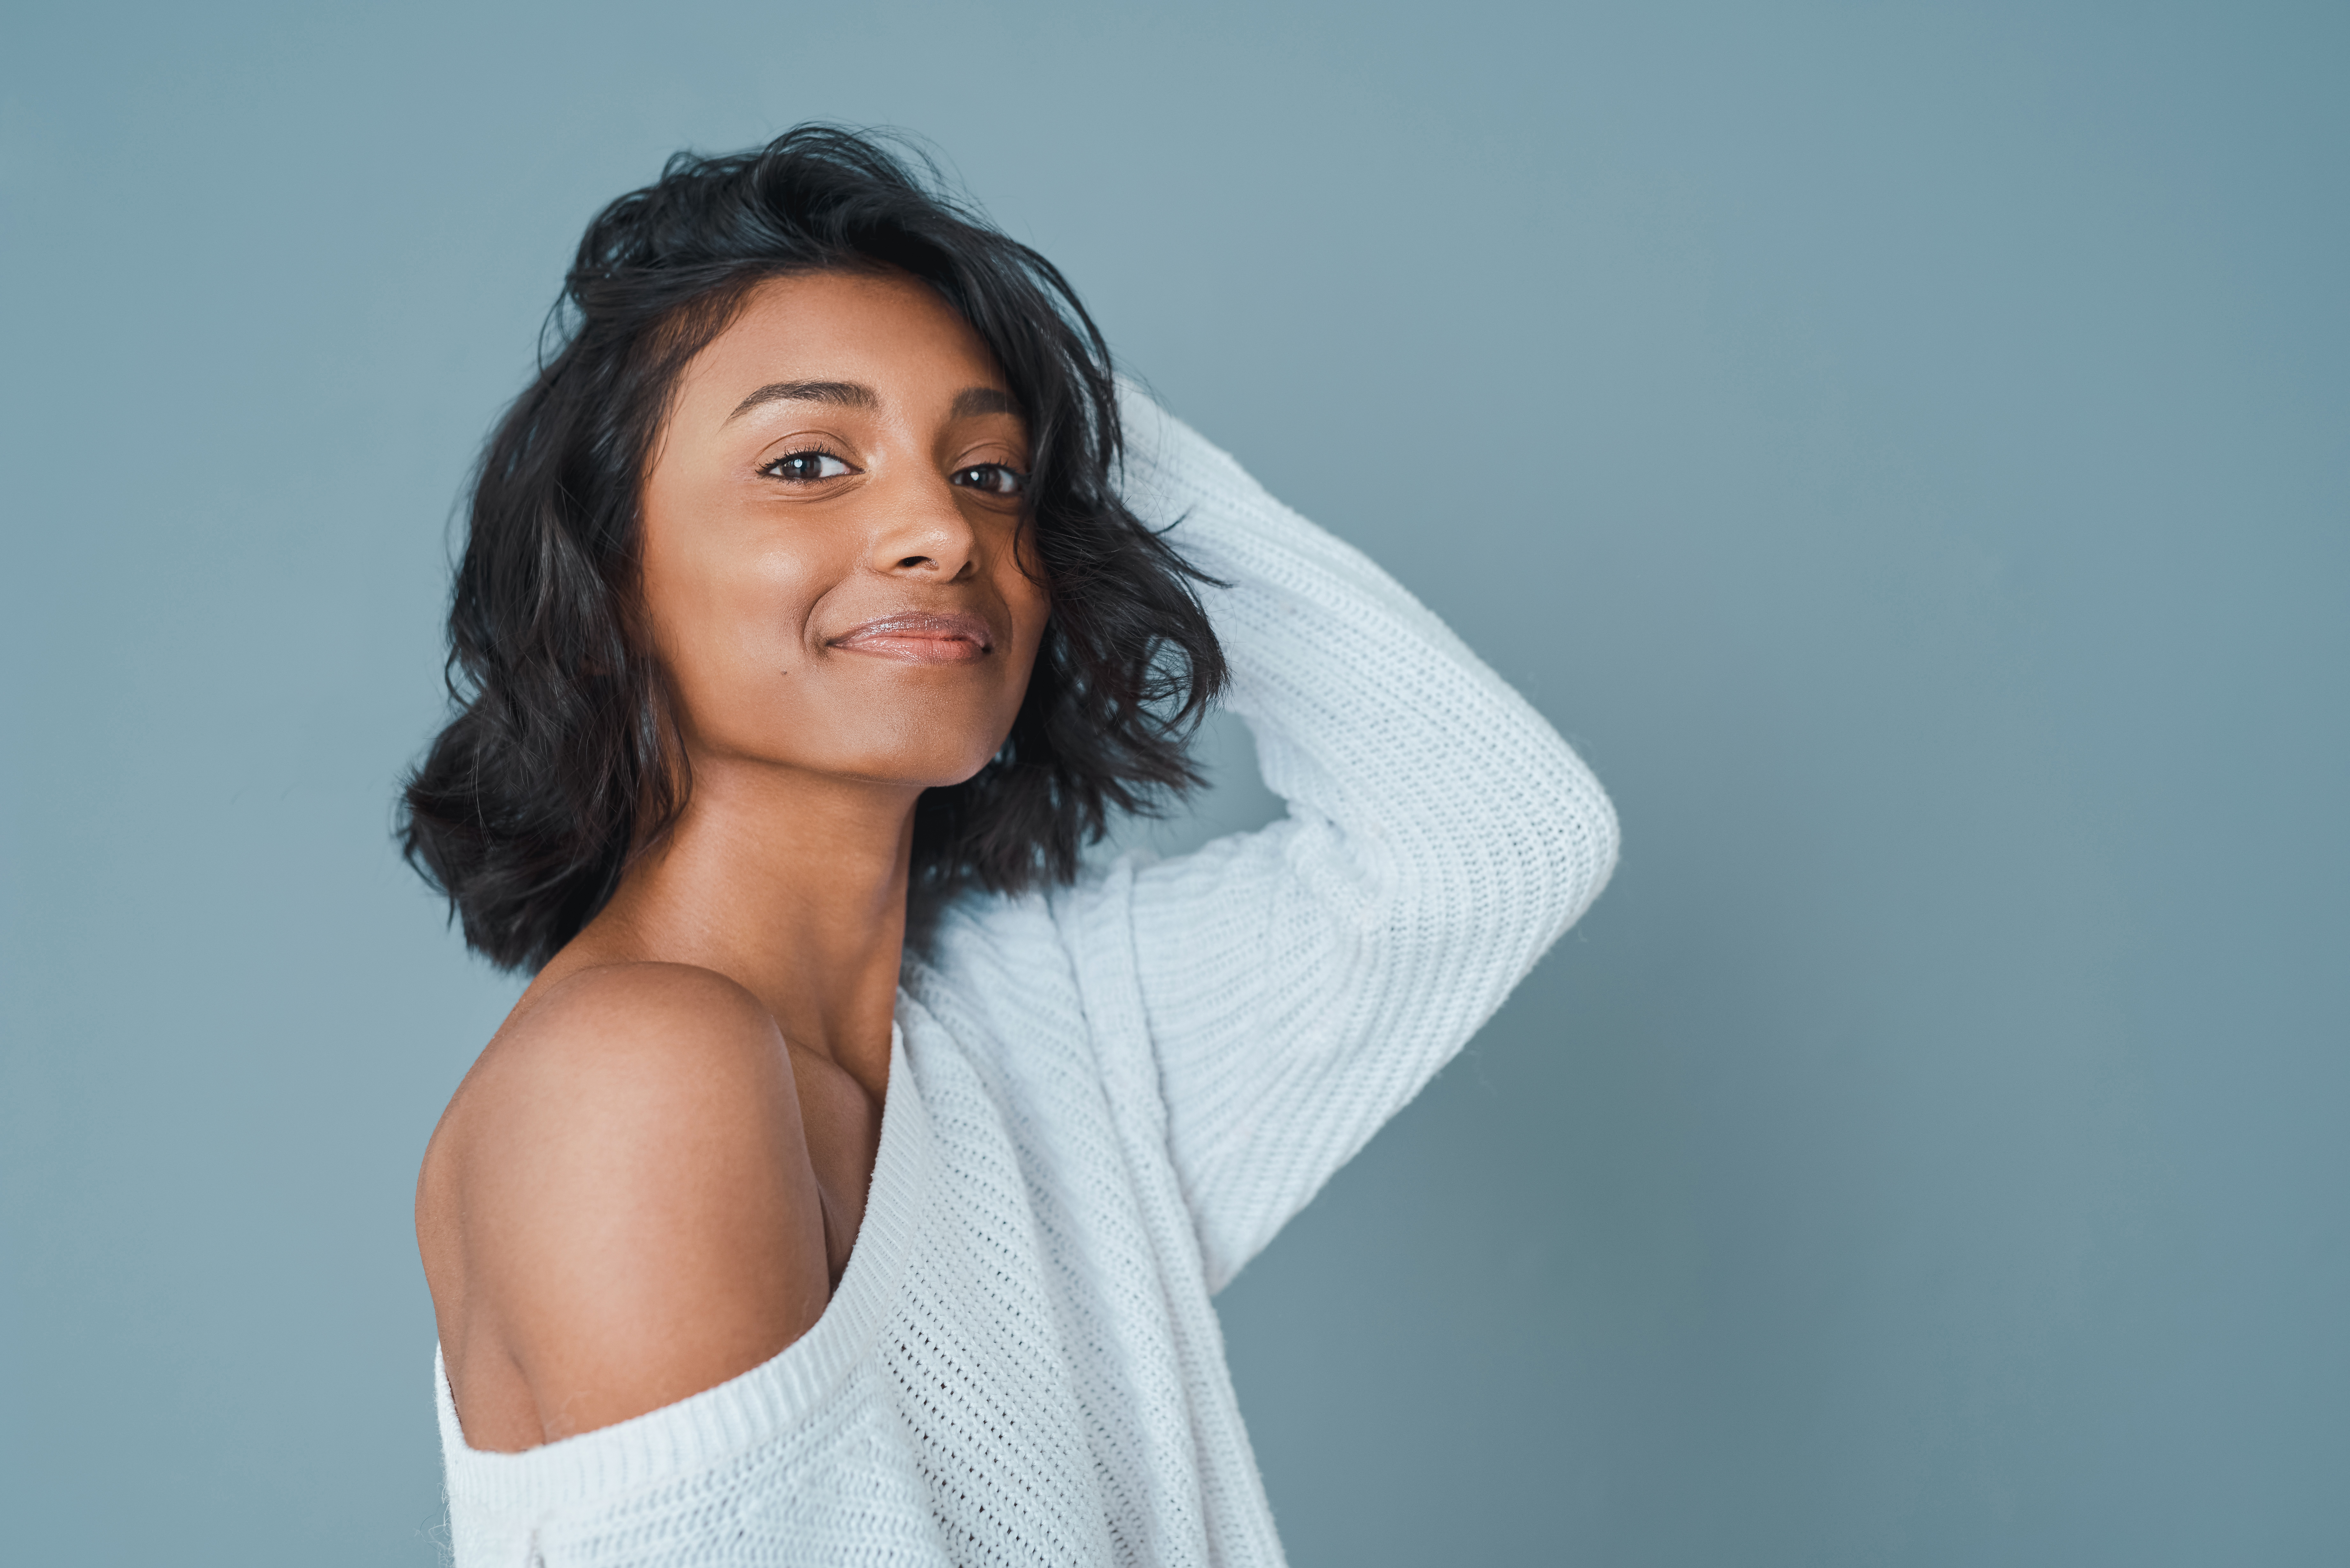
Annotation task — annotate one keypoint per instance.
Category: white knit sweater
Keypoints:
(1103, 1101)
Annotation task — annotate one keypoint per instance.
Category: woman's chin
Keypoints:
(914, 771)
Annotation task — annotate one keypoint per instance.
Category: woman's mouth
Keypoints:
(921, 639)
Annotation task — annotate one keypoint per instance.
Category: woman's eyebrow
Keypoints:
(840, 394)
(975, 401)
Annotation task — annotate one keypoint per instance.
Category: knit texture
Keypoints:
(1103, 1102)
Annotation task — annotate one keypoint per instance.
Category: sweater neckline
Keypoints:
(704, 1428)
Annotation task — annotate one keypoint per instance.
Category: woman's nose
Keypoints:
(928, 536)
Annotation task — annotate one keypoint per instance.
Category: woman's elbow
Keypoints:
(1566, 843)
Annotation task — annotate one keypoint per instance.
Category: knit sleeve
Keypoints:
(1301, 983)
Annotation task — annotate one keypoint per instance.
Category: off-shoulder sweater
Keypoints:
(1103, 1101)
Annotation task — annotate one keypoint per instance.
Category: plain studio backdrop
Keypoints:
(1906, 448)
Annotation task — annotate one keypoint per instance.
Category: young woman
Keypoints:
(825, 571)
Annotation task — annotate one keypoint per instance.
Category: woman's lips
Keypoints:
(921, 639)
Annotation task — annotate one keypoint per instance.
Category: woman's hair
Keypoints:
(562, 761)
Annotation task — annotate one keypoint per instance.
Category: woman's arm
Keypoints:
(1301, 983)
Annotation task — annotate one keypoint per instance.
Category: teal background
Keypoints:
(1906, 447)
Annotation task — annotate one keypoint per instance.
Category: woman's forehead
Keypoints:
(879, 338)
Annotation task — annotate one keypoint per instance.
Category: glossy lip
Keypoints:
(920, 638)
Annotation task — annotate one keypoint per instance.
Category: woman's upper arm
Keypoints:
(637, 1214)
(1301, 983)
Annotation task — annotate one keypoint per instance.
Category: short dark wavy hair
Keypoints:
(560, 761)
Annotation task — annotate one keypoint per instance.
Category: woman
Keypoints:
(826, 570)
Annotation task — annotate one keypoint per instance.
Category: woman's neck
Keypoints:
(792, 886)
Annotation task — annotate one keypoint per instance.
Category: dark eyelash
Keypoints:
(1019, 475)
(818, 451)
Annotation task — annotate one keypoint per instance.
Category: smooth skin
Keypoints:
(650, 1180)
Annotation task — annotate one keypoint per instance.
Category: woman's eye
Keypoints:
(806, 466)
(993, 477)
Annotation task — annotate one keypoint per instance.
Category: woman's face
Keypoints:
(833, 523)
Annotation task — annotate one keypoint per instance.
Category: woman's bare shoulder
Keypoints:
(618, 1210)
(627, 1009)
(614, 1049)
